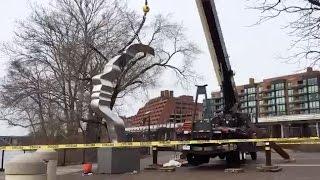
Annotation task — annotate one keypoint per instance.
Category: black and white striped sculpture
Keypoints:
(103, 85)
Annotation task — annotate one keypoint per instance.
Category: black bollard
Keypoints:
(154, 155)
(267, 149)
(268, 167)
(2, 161)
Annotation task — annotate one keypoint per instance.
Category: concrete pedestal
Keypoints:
(118, 160)
(26, 167)
(51, 159)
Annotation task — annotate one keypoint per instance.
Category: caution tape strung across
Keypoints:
(312, 140)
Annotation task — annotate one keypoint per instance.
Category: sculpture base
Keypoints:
(118, 160)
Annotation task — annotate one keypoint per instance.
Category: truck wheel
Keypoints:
(253, 155)
(193, 160)
(233, 159)
(222, 156)
(205, 159)
(196, 160)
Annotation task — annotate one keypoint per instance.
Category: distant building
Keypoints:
(280, 100)
(167, 109)
(285, 95)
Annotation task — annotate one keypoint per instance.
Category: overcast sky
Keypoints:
(253, 51)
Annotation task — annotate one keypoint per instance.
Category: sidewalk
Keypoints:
(76, 169)
(71, 169)
(62, 170)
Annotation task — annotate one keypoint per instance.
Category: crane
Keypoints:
(232, 123)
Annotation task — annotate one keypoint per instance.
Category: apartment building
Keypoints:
(284, 95)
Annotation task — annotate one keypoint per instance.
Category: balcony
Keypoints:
(270, 111)
(267, 90)
(297, 86)
(298, 93)
(299, 108)
(298, 101)
(268, 97)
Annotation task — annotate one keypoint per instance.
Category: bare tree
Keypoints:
(58, 49)
(303, 24)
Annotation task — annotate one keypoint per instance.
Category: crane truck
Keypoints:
(231, 123)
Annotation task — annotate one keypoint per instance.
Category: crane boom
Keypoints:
(218, 52)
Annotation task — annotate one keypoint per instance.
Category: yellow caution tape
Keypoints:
(311, 140)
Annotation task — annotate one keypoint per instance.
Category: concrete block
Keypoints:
(26, 167)
(51, 159)
(118, 160)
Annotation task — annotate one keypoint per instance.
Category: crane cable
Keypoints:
(146, 9)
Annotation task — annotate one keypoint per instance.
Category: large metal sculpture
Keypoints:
(103, 85)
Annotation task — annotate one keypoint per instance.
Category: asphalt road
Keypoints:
(305, 167)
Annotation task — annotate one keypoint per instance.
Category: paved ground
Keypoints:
(305, 167)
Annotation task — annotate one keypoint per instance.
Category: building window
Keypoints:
(290, 92)
(280, 93)
(280, 100)
(251, 97)
(314, 104)
(251, 90)
(290, 99)
(304, 82)
(260, 102)
(313, 89)
(304, 105)
(303, 98)
(315, 111)
(281, 108)
(252, 103)
(313, 97)
(270, 94)
(243, 105)
(302, 90)
(271, 101)
(312, 81)
(279, 86)
(289, 84)
(272, 108)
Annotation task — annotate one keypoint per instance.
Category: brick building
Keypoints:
(167, 108)
(283, 101)
(285, 95)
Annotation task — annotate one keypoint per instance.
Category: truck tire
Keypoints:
(196, 160)
(233, 159)
(253, 155)
(222, 156)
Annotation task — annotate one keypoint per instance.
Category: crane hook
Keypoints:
(146, 8)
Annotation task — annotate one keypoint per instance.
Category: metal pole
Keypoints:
(2, 161)
(267, 149)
